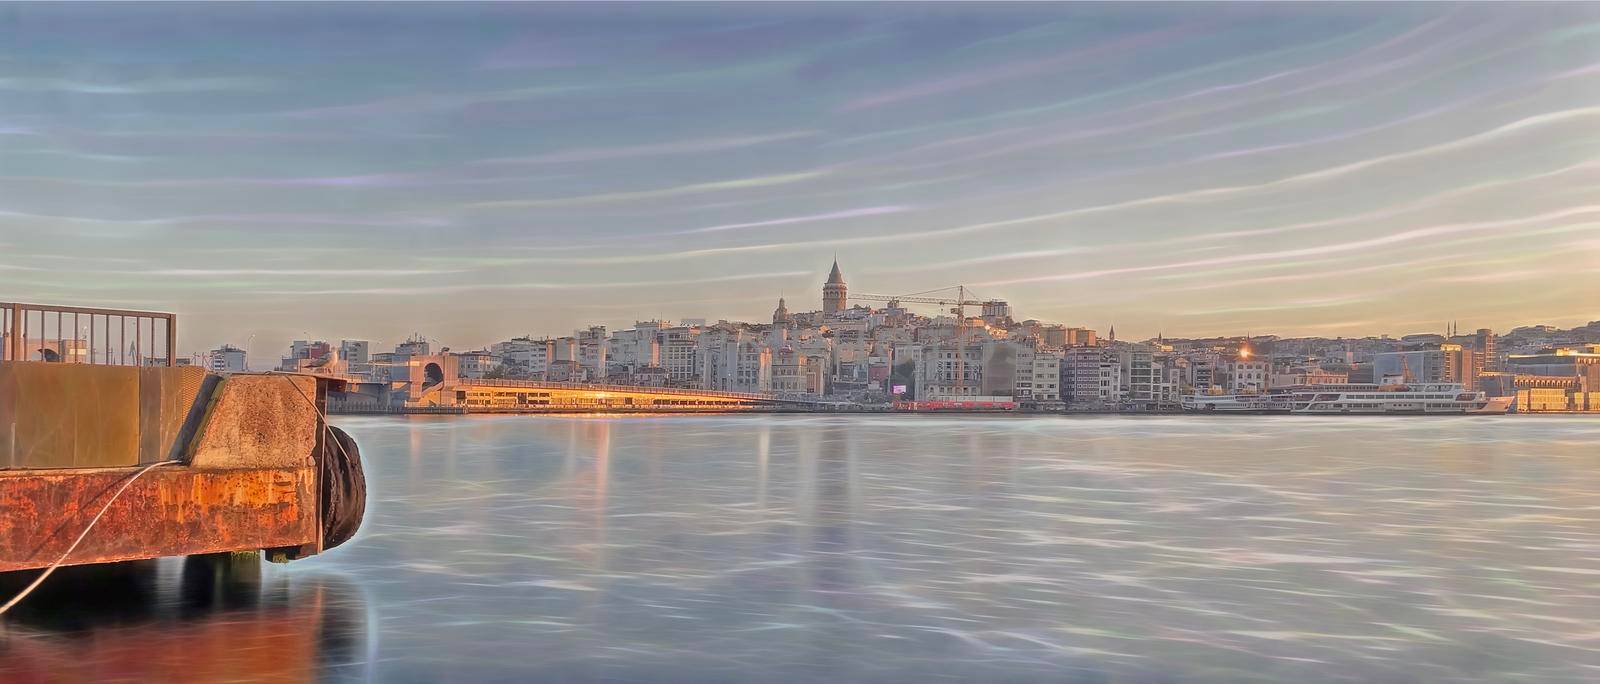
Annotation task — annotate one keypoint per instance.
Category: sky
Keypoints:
(476, 172)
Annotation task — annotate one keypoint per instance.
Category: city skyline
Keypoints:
(1446, 329)
(477, 172)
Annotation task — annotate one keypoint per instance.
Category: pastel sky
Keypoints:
(475, 172)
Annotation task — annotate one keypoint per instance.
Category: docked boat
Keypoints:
(1395, 399)
(1238, 403)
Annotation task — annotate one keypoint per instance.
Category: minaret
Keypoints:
(833, 291)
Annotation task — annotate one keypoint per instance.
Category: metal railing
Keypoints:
(72, 334)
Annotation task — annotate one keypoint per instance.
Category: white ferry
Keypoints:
(1238, 403)
(1395, 399)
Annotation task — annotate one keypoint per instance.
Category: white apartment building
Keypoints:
(735, 361)
(1141, 377)
(225, 359)
(525, 357)
(940, 367)
(680, 356)
(794, 374)
(1039, 379)
(475, 364)
(592, 351)
(639, 347)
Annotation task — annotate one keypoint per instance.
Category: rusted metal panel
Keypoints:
(69, 415)
(170, 511)
(166, 399)
(57, 415)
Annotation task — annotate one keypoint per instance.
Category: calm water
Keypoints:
(793, 548)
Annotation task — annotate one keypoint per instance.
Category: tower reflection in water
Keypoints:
(201, 619)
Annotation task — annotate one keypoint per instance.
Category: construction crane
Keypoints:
(958, 307)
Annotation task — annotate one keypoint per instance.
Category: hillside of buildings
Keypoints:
(876, 354)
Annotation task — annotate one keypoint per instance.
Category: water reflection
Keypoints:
(198, 619)
(836, 548)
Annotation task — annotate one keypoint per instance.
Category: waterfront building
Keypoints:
(1039, 382)
(1562, 379)
(1203, 372)
(1570, 362)
(680, 356)
(637, 347)
(1172, 383)
(794, 374)
(1141, 377)
(1110, 384)
(1083, 385)
(734, 360)
(1022, 381)
(524, 357)
(475, 364)
(1246, 375)
(591, 347)
(938, 368)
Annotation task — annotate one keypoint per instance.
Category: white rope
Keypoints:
(40, 579)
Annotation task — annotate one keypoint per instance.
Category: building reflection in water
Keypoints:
(201, 619)
(831, 517)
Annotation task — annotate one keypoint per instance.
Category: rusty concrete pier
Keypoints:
(248, 461)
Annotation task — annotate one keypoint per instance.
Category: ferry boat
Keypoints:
(1274, 402)
(1395, 399)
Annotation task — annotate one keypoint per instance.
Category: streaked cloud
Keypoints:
(1281, 168)
(659, 193)
(592, 154)
(790, 220)
(152, 86)
(556, 286)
